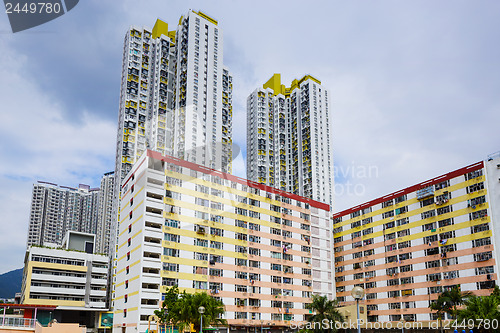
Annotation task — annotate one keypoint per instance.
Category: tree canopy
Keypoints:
(181, 309)
(482, 309)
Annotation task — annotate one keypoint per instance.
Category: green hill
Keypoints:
(10, 283)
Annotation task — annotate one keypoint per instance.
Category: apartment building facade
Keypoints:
(105, 214)
(58, 209)
(262, 251)
(288, 137)
(407, 247)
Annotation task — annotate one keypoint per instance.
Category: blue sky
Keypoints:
(414, 86)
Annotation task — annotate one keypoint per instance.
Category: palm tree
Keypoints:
(323, 308)
(454, 297)
(441, 307)
(482, 307)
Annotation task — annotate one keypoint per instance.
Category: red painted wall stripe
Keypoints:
(201, 168)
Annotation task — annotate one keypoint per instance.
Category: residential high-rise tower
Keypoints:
(105, 216)
(58, 209)
(175, 94)
(288, 137)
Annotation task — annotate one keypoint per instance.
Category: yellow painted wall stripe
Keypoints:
(415, 200)
(418, 211)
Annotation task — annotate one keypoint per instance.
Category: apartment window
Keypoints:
(478, 214)
(389, 225)
(473, 174)
(450, 275)
(442, 185)
(483, 256)
(240, 288)
(367, 242)
(355, 214)
(429, 226)
(367, 221)
(404, 245)
(402, 221)
(434, 277)
(388, 214)
(405, 232)
(475, 187)
(407, 280)
(391, 259)
(485, 270)
(427, 214)
(444, 210)
(432, 264)
(435, 290)
(390, 236)
(393, 282)
(394, 306)
(480, 228)
(387, 203)
(369, 252)
(430, 239)
(400, 199)
(367, 231)
(481, 242)
(426, 202)
(255, 264)
(356, 255)
(445, 222)
(370, 274)
(276, 279)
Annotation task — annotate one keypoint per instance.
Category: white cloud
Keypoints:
(39, 144)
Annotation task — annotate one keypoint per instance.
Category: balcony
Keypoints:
(58, 278)
(15, 323)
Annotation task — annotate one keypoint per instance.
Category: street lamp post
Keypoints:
(261, 326)
(201, 310)
(105, 322)
(358, 293)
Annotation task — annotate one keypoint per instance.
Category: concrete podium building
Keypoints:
(71, 278)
